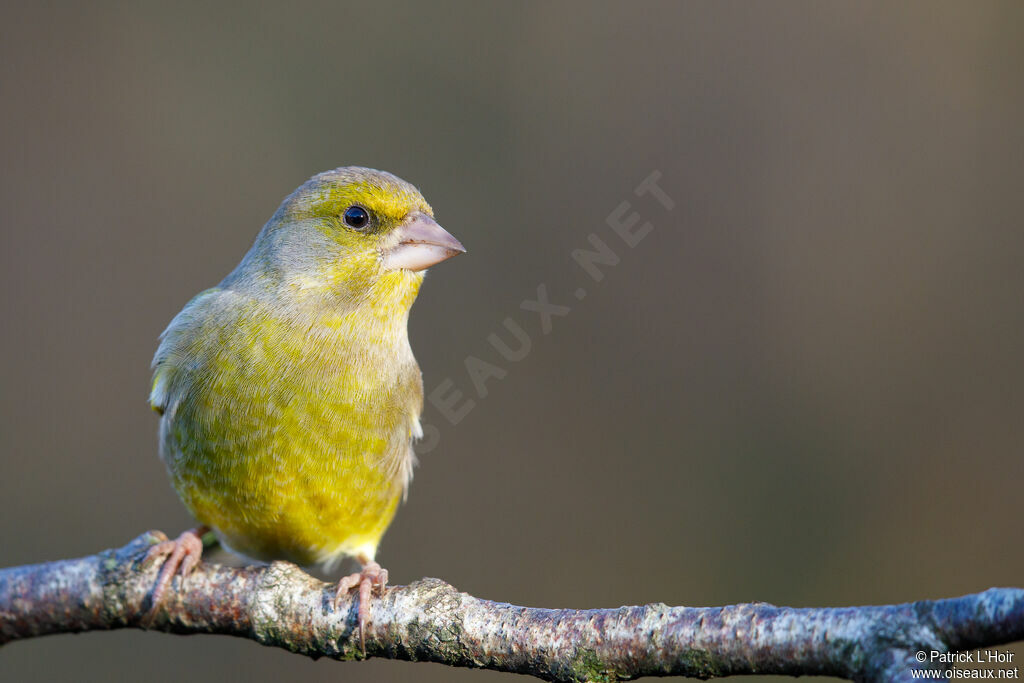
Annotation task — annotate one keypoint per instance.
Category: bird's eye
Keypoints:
(356, 217)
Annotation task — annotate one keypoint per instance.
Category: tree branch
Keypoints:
(281, 606)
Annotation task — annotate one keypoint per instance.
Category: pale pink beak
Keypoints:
(421, 244)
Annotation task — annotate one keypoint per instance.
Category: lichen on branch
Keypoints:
(279, 605)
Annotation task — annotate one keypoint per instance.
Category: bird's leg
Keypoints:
(371, 575)
(179, 556)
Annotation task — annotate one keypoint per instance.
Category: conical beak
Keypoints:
(421, 243)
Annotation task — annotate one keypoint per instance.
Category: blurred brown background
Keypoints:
(804, 386)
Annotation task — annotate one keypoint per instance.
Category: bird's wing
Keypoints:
(172, 354)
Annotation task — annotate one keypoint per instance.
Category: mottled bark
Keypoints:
(281, 606)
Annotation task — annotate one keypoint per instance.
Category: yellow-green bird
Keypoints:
(289, 395)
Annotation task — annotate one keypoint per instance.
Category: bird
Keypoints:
(289, 397)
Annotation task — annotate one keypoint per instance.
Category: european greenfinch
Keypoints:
(289, 395)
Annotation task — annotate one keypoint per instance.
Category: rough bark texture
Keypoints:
(429, 620)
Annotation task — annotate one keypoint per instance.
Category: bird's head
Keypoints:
(354, 234)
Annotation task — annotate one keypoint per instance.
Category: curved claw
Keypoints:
(372, 575)
(179, 556)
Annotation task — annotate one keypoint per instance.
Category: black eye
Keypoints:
(356, 217)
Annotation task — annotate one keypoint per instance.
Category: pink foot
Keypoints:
(371, 575)
(179, 556)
